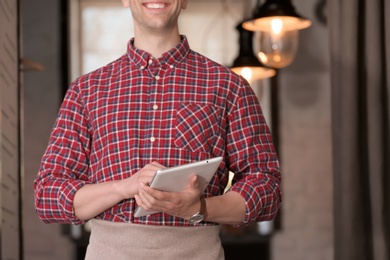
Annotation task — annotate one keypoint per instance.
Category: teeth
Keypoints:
(155, 5)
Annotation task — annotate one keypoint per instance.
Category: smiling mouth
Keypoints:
(155, 5)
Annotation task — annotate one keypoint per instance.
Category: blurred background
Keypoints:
(334, 157)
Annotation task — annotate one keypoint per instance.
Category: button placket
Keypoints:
(155, 68)
(154, 111)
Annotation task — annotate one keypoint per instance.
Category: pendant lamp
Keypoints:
(277, 24)
(247, 64)
(281, 10)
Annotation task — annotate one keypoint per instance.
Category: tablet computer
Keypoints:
(177, 178)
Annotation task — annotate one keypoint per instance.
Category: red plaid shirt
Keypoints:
(177, 109)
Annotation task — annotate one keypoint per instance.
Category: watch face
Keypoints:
(196, 218)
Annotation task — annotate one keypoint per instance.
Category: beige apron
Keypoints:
(119, 241)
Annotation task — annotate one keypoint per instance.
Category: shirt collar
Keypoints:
(171, 58)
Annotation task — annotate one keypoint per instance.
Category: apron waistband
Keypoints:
(118, 240)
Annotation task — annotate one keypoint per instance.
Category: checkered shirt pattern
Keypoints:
(179, 108)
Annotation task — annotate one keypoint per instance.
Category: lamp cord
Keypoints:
(321, 12)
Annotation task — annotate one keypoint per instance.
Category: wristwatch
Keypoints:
(199, 216)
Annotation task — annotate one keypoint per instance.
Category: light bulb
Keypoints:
(251, 73)
(277, 47)
(276, 26)
(247, 73)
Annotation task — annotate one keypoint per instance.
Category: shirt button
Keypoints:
(171, 66)
(155, 107)
(157, 77)
(142, 67)
(150, 61)
(152, 139)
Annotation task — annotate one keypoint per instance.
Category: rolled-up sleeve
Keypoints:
(252, 159)
(64, 166)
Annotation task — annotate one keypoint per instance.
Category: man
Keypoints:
(159, 105)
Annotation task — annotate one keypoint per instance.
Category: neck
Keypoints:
(156, 43)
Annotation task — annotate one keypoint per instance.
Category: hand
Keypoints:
(93, 199)
(181, 204)
(144, 176)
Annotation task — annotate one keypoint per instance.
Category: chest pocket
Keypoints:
(197, 127)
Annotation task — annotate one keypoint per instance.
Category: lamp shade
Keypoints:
(247, 64)
(282, 10)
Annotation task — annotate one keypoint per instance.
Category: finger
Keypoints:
(151, 197)
(158, 200)
(157, 165)
(194, 180)
(140, 202)
(194, 183)
(151, 193)
(145, 201)
(151, 168)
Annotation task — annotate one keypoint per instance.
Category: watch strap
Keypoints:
(200, 215)
(202, 210)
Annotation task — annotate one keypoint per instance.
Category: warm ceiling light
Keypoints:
(281, 12)
(277, 50)
(277, 24)
(247, 64)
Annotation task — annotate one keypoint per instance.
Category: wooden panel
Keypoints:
(9, 128)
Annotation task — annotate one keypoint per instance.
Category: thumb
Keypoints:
(194, 181)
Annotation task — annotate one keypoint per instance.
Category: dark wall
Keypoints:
(43, 41)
